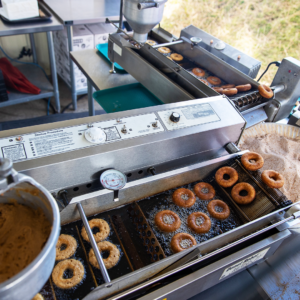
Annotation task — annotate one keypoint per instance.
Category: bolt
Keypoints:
(211, 42)
(239, 57)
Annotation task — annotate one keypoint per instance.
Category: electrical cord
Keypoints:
(277, 63)
(67, 106)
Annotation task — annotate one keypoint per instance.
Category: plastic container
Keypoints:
(126, 97)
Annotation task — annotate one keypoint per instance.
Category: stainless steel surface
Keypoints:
(255, 117)
(229, 54)
(208, 276)
(72, 12)
(96, 68)
(167, 44)
(93, 243)
(288, 75)
(30, 280)
(142, 20)
(34, 27)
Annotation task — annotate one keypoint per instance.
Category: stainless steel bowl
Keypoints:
(25, 190)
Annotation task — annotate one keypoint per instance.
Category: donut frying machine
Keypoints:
(157, 155)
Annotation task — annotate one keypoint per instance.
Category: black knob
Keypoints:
(175, 117)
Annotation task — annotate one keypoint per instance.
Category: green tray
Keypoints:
(126, 97)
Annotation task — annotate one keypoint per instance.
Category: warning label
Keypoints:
(14, 152)
(111, 133)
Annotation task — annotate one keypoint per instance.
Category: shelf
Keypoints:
(37, 77)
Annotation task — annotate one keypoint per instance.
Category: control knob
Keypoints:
(95, 135)
(175, 117)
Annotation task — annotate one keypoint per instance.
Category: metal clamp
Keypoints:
(145, 5)
(7, 174)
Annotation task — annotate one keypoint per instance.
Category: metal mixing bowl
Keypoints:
(25, 190)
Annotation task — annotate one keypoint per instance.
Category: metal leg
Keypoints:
(53, 69)
(32, 43)
(90, 99)
(73, 87)
(112, 70)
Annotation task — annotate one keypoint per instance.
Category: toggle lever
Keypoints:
(145, 5)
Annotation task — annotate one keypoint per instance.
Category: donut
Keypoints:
(151, 42)
(244, 87)
(218, 209)
(214, 80)
(69, 242)
(184, 197)
(182, 241)
(228, 86)
(252, 161)
(243, 186)
(233, 177)
(103, 230)
(164, 50)
(218, 90)
(176, 57)
(230, 92)
(111, 260)
(198, 72)
(69, 264)
(204, 191)
(272, 179)
(204, 81)
(265, 91)
(38, 297)
(199, 222)
(167, 221)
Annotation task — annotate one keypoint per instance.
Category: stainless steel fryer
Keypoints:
(156, 154)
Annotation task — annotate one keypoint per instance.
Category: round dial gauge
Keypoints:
(113, 179)
(95, 135)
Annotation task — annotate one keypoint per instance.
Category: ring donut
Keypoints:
(182, 241)
(214, 80)
(184, 198)
(69, 264)
(198, 72)
(233, 177)
(218, 209)
(265, 91)
(199, 222)
(244, 88)
(167, 221)
(228, 86)
(69, 242)
(218, 90)
(230, 92)
(272, 179)
(151, 42)
(204, 191)
(38, 296)
(103, 230)
(111, 260)
(204, 81)
(252, 161)
(164, 50)
(176, 56)
(243, 186)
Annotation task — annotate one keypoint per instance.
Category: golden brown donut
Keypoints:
(198, 72)
(204, 81)
(69, 264)
(235, 193)
(228, 86)
(272, 179)
(182, 241)
(103, 230)
(218, 209)
(151, 42)
(176, 57)
(265, 91)
(199, 222)
(167, 221)
(218, 89)
(111, 260)
(244, 87)
(69, 242)
(38, 297)
(204, 191)
(214, 80)
(232, 173)
(184, 197)
(164, 50)
(252, 161)
(230, 92)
